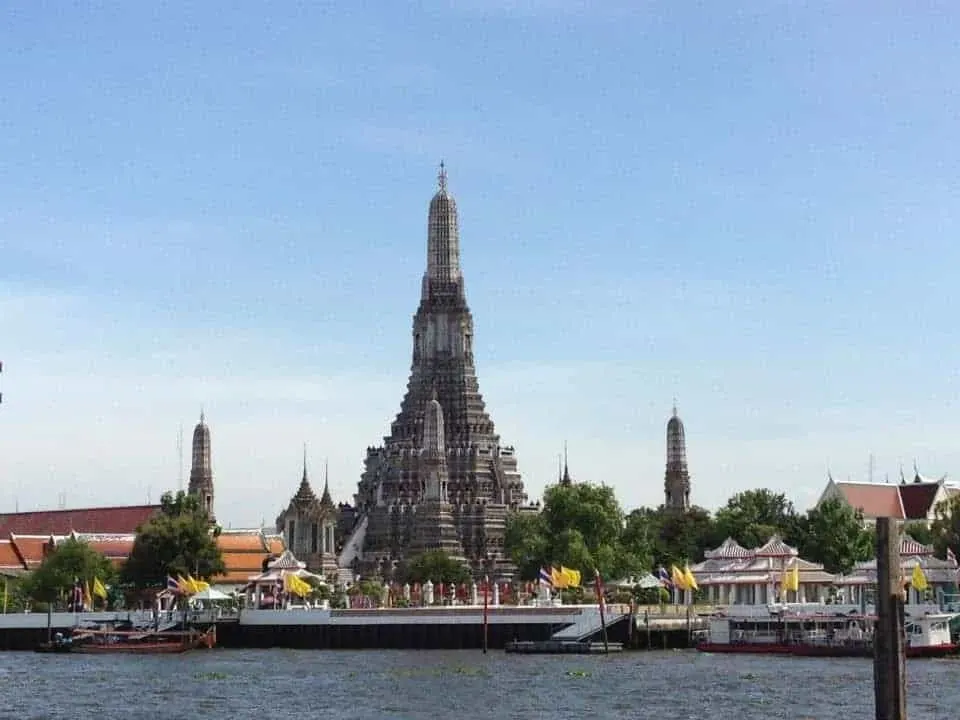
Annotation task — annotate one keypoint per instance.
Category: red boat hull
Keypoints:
(862, 651)
(119, 643)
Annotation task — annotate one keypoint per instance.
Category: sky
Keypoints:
(750, 207)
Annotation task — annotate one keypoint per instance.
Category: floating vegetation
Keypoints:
(210, 676)
(579, 673)
(438, 671)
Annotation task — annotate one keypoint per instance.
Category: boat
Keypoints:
(821, 630)
(112, 641)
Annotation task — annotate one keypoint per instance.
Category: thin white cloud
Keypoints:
(93, 403)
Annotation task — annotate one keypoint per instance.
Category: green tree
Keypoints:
(581, 527)
(920, 531)
(179, 540)
(437, 567)
(945, 527)
(526, 543)
(71, 561)
(752, 517)
(834, 535)
(682, 536)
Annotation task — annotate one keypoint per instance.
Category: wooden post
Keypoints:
(889, 641)
(486, 605)
(603, 622)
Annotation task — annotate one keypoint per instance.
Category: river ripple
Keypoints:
(240, 684)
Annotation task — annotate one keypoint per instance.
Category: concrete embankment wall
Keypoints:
(29, 631)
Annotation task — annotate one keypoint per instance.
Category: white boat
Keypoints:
(821, 630)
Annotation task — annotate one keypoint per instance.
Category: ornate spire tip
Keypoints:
(442, 177)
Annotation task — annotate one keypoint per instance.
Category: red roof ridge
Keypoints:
(83, 509)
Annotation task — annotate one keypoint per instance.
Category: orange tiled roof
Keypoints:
(31, 548)
(244, 561)
(244, 552)
(241, 542)
(874, 500)
(9, 559)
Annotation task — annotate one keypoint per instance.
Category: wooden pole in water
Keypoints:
(889, 651)
(603, 622)
(486, 609)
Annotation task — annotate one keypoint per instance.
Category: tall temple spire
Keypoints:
(443, 237)
(565, 478)
(676, 484)
(201, 469)
(442, 435)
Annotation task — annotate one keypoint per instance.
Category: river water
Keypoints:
(270, 684)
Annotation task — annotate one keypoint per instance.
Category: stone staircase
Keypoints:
(352, 548)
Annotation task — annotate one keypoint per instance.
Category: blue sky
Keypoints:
(754, 210)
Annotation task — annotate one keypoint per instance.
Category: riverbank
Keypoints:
(452, 628)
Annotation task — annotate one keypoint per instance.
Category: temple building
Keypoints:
(479, 480)
(676, 482)
(734, 575)
(201, 469)
(916, 500)
(309, 525)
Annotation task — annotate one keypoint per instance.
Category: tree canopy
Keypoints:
(946, 526)
(834, 535)
(754, 516)
(71, 561)
(581, 527)
(179, 540)
(437, 567)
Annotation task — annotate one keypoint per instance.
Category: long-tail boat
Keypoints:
(136, 642)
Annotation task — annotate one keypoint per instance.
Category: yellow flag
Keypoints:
(302, 587)
(794, 579)
(183, 585)
(557, 579)
(918, 579)
(99, 589)
(679, 579)
(689, 579)
(571, 578)
(293, 584)
(87, 599)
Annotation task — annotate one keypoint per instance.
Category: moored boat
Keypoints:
(111, 641)
(821, 630)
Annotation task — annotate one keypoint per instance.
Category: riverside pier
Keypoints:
(456, 627)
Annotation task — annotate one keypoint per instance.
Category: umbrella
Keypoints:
(210, 594)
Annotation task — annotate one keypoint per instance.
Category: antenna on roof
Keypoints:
(61, 500)
(870, 469)
(149, 498)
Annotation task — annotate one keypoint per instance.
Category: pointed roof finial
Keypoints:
(442, 177)
(674, 405)
(201, 415)
(325, 497)
(304, 461)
